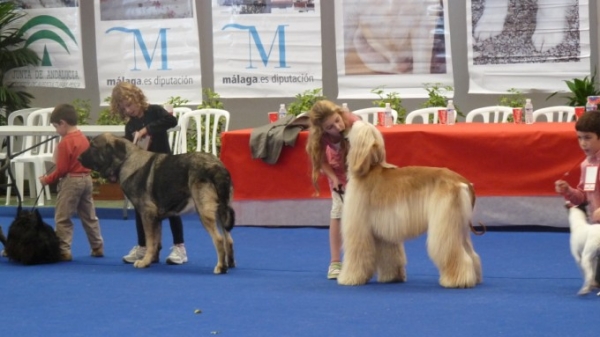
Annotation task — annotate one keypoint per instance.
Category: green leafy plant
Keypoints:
(210, 99)
(390, 97)
(304, 101)
(13, 55)
(106, 117)
(83, 108)
(514, 99)
(438, 97)
(580, 89)
(177, 101)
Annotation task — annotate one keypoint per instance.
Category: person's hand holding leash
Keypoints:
(340, 191)
(561, 186)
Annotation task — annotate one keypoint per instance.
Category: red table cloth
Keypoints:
(501, 159)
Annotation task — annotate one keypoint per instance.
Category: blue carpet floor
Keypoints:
(280, 289)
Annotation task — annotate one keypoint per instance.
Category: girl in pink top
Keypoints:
(327, 149)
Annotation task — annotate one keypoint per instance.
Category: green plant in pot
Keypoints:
(438, 97)
(390, 97)
(579, 89)
(304, 101)
(13, 55)
(177, 101)
(83, 108)
(106, 117)
(514, 99)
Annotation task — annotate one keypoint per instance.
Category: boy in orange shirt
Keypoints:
(74, 184)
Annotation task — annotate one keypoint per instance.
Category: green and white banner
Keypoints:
(266, 48)
(155, 47)
(55, 35)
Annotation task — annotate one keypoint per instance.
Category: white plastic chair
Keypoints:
(490, 114)
(37, 156)
(561, 113)
(369, 115)
(206, 124)
(425, 114)
(18, 117)
(177, 112)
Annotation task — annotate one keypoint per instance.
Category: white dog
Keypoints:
(585, 246)
(551, 22)
(385, 205)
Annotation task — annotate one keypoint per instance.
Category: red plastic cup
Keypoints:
(381, 118)
(579, 110)
(517, 115)
(442, 116)
(273, 117)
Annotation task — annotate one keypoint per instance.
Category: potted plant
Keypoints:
(104, 189)
(177, 101)
(514, 99)
(438, 97)
(304, 101)
(13, 55)
(580, 89)
(391, 97)
(83, 108)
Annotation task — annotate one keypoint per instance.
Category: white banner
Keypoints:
(155, 47)
(527, 44)
(400, 45)
(54, 33)
(270, 49)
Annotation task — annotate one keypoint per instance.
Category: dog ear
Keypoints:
(366, 149)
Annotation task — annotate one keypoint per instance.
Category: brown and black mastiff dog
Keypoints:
(161, 185)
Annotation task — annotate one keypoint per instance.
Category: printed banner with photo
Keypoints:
(527, 45)
(266, 48)
(397, 45)
(53, 30)
(152, 44)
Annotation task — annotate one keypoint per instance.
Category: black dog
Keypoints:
(30, 240)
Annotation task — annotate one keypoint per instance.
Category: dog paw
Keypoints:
(140, 264)
(220, 270)
(347, 281)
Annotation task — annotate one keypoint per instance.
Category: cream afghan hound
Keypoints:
(385, 205)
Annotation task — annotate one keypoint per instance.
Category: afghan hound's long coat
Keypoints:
(385, 205)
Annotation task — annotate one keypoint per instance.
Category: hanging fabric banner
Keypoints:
(266, 48)
(53, 31)
(525, 45)
(151, 44)
(398, 45)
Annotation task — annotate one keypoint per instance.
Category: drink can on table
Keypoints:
(579, 110)
(442, 116)
(273, 116)
(381, 118)
(517, 115)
